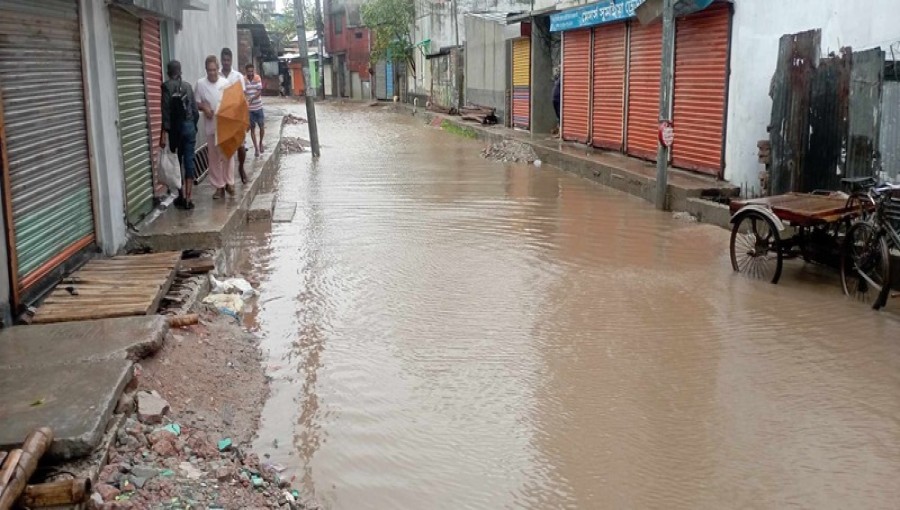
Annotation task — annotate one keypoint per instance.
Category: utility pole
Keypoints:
(304, 64)
(665, 99)
(320, 35)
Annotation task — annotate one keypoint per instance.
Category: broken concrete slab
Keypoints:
(75, 400)
(284, 212)
(71, 342)
(261, 208)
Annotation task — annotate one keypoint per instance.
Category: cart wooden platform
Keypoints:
(768, 230)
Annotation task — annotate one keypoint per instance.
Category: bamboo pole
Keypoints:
(35, 446)
(181, 321)
(63, 492)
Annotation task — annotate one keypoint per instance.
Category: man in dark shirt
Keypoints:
(179, 128)
(556, 93)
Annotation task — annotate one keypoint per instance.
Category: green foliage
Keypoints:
(282, 28)
(463, 131)
(390, 22)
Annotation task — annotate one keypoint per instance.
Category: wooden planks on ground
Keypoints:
(116, 287)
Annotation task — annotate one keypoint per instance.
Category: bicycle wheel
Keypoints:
(756, 247)
(865, 265)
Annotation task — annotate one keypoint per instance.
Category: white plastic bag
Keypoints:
(169, 169)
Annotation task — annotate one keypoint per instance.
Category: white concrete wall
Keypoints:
(107, 168)
(205, 33)
(758, 25)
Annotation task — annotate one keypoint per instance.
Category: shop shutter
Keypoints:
(380, 81)
(608, 109)
(521, 83)
(389, 76)
(645, 60)
(701, 84)
(576, 86)
(134, 126)
(46, 164)
(153, 76)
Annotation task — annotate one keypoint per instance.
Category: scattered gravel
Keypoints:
(509, 151)
(211, 377)
(293, 119)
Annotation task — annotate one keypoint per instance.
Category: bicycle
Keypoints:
(867, 246)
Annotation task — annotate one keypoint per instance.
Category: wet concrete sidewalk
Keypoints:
(212, 221)
(69, 376)
(686, 190)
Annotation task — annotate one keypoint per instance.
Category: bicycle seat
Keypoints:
(859, 183)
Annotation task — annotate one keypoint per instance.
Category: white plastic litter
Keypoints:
(230, 303)
(538, 163)
(231, 286)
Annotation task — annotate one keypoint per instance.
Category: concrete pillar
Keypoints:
(543, 117)
(107, 170)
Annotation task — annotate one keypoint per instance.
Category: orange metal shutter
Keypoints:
(521, 83)
(701, 84)
(153, 79)
(576, 86)
(608, 110)
(645, 59)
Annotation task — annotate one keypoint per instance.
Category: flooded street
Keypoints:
(445, 331)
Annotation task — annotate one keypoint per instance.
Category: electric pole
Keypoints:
(304, 64)
(320, 36)
(665, 100)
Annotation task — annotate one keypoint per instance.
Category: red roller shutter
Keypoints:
(608, 108)
(701, 82)
(151, 48)
(645, 59)
(576, 85)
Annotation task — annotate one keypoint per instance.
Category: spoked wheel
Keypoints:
(756, 247)
(865, 265)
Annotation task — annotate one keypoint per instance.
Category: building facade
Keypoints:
(77, 166)
(349, 45)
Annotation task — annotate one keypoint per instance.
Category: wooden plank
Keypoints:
(118, 287)
(198, 265)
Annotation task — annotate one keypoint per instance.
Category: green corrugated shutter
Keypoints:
(134, 126)
(47, 179)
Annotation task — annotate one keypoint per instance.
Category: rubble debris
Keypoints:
(289, 145)
(151, 407)
(684, 216)
(291, 119)
(481, 114)
(509, 151)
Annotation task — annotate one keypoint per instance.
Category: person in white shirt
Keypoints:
(208, 93)
(233, 76)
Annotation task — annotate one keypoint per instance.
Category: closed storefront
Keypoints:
(576, 86)
(380, 80)
(701, 85)
(608, 104)
(134, 123)
(46, 163)
(645, 60)
(521, 78)
(153, 79)
(389, 77)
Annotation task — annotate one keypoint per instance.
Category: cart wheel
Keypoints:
(865, 265)
(756, 247)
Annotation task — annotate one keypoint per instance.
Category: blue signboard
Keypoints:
(608, 11)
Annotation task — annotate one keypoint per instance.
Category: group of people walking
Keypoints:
(182, 106)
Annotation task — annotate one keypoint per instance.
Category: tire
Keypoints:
(756, 248)
(866, 265)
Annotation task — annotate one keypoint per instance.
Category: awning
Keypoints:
(260, 38)
(167, 9)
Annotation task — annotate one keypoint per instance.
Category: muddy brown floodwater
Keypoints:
(449, 332)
